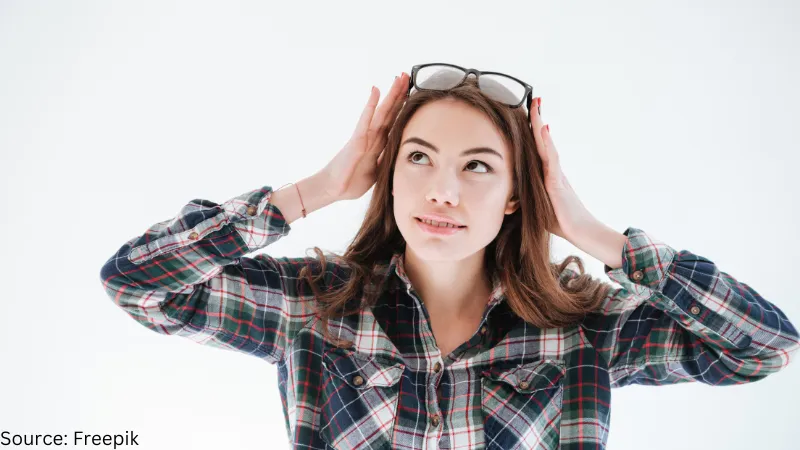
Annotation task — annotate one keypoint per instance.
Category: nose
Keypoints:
(443, 189)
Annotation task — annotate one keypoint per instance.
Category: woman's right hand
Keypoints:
(353, 170)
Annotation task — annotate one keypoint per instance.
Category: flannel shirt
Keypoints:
(676, 318)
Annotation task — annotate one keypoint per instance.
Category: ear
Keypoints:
(512, 205)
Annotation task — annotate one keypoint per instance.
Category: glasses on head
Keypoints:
(495, 85)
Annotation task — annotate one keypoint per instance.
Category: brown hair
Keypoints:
(520, 254)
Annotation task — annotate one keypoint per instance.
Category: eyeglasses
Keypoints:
(495, 85)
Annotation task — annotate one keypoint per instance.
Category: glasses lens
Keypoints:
(497, 87)
(438, 77)
(502, 89)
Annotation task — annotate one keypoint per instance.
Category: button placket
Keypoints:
(437, 381)
(436, 378)
(433, 404)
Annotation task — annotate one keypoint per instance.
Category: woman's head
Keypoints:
(452, 161)
(497, 197)
(501, 199)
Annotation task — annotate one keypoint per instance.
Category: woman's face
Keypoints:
(473, 189)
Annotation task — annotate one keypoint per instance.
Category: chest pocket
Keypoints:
(359, 400)
(522, 405)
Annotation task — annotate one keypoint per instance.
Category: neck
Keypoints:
(457, 289)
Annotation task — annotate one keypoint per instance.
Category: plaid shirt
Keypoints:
(676, 318)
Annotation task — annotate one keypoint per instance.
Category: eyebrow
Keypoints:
(471, 151)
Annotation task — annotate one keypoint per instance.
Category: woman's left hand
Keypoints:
(570, 212)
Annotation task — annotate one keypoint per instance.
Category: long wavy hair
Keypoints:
(519, 254)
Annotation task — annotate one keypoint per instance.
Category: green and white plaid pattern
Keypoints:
(676, 318)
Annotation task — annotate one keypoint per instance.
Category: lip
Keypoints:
(442, 231)
(439, 218)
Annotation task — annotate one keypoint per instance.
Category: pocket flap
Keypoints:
(530, 377)
(373, 371)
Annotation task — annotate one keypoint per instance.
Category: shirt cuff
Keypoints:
(675, 283)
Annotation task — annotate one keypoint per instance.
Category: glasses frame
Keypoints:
(527, 98)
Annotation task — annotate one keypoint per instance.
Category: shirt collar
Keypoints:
(367, 330)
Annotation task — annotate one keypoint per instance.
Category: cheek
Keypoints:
(485, 196)
(405, 184)
(487, 204)
(405, 174)
(401, 191)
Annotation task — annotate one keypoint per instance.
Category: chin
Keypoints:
(433, 250)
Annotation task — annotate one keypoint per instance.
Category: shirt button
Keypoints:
(483, 329)
(252, 210)
(439, 391)
(695, 310)
(638, 275)
(435, 420)
(437, 367)
(358, 380)
(523, 385)
(193, 236)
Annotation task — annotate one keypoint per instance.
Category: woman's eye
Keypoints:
(412, 154)
(488, 169)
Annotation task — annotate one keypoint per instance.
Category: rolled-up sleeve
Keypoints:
(677, 317)
(189, 276)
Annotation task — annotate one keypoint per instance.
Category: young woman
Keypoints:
(444, 324)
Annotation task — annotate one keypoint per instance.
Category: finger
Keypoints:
(397, 106)
(382, 116)
(400, 100)
(536, 129)
(536, 125)
(376, 135)
(369, 111)
(544, 142)
(550, 146)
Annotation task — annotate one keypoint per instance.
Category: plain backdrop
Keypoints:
(678, 118)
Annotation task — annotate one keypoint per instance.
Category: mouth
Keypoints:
(440, 223)
(440, 229)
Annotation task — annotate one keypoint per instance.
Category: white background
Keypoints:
(673, 117)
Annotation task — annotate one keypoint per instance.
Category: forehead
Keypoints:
(453, 126)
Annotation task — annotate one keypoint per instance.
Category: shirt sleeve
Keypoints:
(678, 318)
(189, 276)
